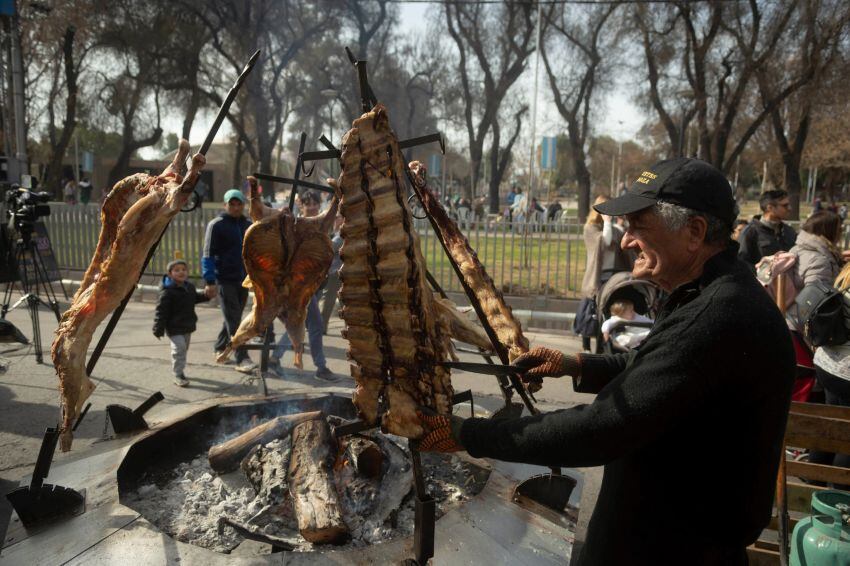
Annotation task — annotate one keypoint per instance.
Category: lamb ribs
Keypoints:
(389, 312)
(133, 217)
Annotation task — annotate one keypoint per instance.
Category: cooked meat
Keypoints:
(458, 326)
(287, 260)
(133, 216)
(256, 207)
(496, 311)
(389, 312)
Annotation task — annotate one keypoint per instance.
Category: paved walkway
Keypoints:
(135, 364)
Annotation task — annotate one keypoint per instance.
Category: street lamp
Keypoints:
(331, 95)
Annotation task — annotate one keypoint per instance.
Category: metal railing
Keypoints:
(536, 258)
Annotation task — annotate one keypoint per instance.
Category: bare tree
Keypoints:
(578, 39)
(59, 140)
(694, 61)
(57, 43)
(131, 97)
(493, 44)
(815, 42)
(281, 30)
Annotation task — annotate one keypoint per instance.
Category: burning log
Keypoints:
(315, 498)
(225, 457)
(365, 456)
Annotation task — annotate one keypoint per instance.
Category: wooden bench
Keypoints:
(814, 427)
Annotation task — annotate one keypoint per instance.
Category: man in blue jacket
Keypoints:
(224, 271)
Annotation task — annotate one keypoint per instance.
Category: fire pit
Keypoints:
(153, 498)
(187, 499)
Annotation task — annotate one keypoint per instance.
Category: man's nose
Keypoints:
(628, 241)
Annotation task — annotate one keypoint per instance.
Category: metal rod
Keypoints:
(228, 100)
(299, 163)
(288, 181)
(422, 140)
(318, 155)
(222, 112)
(498, 347)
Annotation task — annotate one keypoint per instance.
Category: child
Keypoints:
(624, 311)
(175, 315)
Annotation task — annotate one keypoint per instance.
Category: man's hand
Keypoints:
(442, 432)
(545, 362)
(211, 290)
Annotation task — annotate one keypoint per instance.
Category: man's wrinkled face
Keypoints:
(235, 207)
(662, 254)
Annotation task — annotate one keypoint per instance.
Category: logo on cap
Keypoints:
(646, 177)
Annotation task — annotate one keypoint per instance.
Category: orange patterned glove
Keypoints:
(545, 362)
(442, 432)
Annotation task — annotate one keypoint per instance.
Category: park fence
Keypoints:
(542, 259)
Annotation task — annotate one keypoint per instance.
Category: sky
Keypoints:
(620, 118)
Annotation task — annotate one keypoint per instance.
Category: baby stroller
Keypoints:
(644, 295)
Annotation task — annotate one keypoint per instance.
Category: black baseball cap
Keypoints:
(685, 181)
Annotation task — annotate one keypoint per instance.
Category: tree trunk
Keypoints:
(314, 496)
(119, 170)
(476, 155)
(226, 456)
(581, 172)
(53, 178)
(191, 112)
(495, 179)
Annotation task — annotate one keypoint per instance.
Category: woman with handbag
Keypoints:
(605, 257)
(820, 260)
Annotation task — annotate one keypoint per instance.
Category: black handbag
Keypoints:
(822, 314)
(585, 322)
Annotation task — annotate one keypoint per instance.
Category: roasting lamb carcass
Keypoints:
(287, 259)
(389, 312)
(496, 310)
(133, 216)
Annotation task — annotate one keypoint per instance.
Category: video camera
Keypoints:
(23, 209)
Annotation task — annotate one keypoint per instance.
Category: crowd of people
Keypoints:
(712, 362)
(223, 275)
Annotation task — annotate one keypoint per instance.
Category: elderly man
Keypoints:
(690, 426)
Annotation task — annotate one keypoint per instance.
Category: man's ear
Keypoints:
(697, 226)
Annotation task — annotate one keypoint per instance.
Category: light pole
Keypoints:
(331, 94)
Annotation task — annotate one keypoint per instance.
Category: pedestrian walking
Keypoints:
(224, 271)
(175, 315)
(769, 233)
(310, 205)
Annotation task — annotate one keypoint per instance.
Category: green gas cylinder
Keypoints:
(823, 539)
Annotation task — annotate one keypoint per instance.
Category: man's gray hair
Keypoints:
(675, 216)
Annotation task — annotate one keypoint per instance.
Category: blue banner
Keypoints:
(88, 162)
(7, 7)
(435, 162)
(548, 153)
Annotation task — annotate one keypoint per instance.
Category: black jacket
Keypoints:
(759, 240)
(222, 259)
(175, 308)
(689, 427)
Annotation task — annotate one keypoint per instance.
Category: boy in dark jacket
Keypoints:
(175, 315)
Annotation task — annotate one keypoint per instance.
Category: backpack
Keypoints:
(585, 322)
(821, 311)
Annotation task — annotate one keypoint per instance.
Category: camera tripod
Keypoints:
(31, 284)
